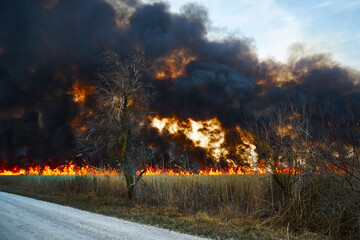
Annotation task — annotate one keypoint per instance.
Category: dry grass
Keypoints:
(239, 207)
(227, 196)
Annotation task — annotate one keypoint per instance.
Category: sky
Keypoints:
(323, 26)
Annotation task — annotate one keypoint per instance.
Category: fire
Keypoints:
(247, 150)
(210, 136)
(173, 65)
(247, 170)
(72, 169)
(239, 170)
(207, 134)
(68, 169)
(81, 92)
(150, 171)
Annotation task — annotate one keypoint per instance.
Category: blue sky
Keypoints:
(326, 26)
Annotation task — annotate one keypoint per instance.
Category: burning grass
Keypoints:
(226, 206)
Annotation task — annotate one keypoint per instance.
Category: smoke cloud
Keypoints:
(48, 46)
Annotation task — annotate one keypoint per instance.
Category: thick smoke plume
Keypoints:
(47, 47)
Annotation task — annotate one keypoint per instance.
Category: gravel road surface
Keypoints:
(27, 218)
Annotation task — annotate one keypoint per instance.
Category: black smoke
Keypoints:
(48, 45)
(45, 47)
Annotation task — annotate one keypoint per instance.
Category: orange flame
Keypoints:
(207, 134)
(73, 169)
(68, 169)
(239, 170)
(150, 171)
(81, 92)
(173, 65)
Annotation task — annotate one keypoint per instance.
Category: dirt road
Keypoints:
(26, 218)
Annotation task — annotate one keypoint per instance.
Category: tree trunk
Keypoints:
(127, 171)
(130, 184)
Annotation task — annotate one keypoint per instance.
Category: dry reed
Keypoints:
(312, 203)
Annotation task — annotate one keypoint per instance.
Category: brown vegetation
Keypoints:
(213, 206)
(121, 106)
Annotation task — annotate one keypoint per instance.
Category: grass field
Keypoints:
(223, 207)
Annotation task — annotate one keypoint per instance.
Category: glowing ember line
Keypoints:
(69, 169)
(72, 169)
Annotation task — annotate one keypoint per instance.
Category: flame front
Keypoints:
(68, 169)
(207, 134)
(73, 169)
(240, 170)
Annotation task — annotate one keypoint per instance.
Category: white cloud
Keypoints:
(327, 26)
(272, 28)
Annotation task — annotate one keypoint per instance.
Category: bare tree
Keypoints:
(321, 143)
(121, 98)
(280, 146)
(337, 145)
